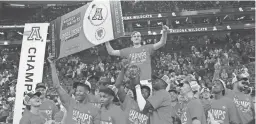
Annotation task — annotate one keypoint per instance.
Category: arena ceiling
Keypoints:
(29, 2)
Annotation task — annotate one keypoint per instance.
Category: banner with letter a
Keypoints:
(92, 24)
(31, 64)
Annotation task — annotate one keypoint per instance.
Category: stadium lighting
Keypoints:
(173, 14)
(214, 28)
(20, 5)
(241, 9)
(6, 43)
(228, 27)
(149, 32)
(19, 33)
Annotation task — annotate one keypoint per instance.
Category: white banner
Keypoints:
(31, 64)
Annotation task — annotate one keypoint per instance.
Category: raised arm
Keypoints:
(163, 39)
(64, 97)
(111, 51)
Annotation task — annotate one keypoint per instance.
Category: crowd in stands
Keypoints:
(204, 56)
(49, 13)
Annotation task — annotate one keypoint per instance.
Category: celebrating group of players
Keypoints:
(149, 101)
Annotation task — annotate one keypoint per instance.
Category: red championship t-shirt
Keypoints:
(162, 113)
(244, 105)
(193, 109)
(112, 115)
(30, 118)
(81, 113)
(223, 111)
(141, 57)
(48, 109)
(132, 113)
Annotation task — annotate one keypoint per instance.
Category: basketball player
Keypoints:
(192, 111)
(243, 102)
(222, 109)
(79, 110)
(48, 108)
(140, 54)
(159, 104)
(33, 115)
(110, 113)
(129, 105)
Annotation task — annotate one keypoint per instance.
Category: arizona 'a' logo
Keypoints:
(98, 14)
(35, 34)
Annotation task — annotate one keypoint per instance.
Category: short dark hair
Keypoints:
(146, 87)
(173, 90)
(83, 85)
(134, 32)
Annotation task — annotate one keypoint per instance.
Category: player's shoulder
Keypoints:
(195, 102)
(148, 45)
(25, 118)
(49, 101)
(92, 106)
(226, 99)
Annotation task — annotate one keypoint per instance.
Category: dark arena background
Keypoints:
(206, 39)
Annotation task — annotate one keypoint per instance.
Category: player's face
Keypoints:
(173, 96)
(243, 84)
(206, 95)
(185, 88)
(217, 87)
(42, 91)
(156, 84)
(81, 93)
(105, 99)
(145, 93)
(136, 38)
(35, 101)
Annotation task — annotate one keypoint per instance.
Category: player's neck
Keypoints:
(34, 110)
(42, 99)
(173, 103)
(107, 106)
(236, 90)
(218, 96)
(136, 45)
(190, 96)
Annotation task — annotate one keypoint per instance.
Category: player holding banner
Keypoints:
(140, 54)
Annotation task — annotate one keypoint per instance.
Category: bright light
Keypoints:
(2, 33)
(5, 43)
(22, 5)
(154, 33)
(173, 14)
(149, 32)
(19, 33)
(241, 9)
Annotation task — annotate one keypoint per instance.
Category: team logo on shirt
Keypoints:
(137, 117)
(244, 106)
(47, 114)
(81, 118)
(184, 118)
(138, 57)
(217, 114)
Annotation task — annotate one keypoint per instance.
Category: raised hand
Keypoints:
(125, 63)
(165, 28)
(51, 60)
